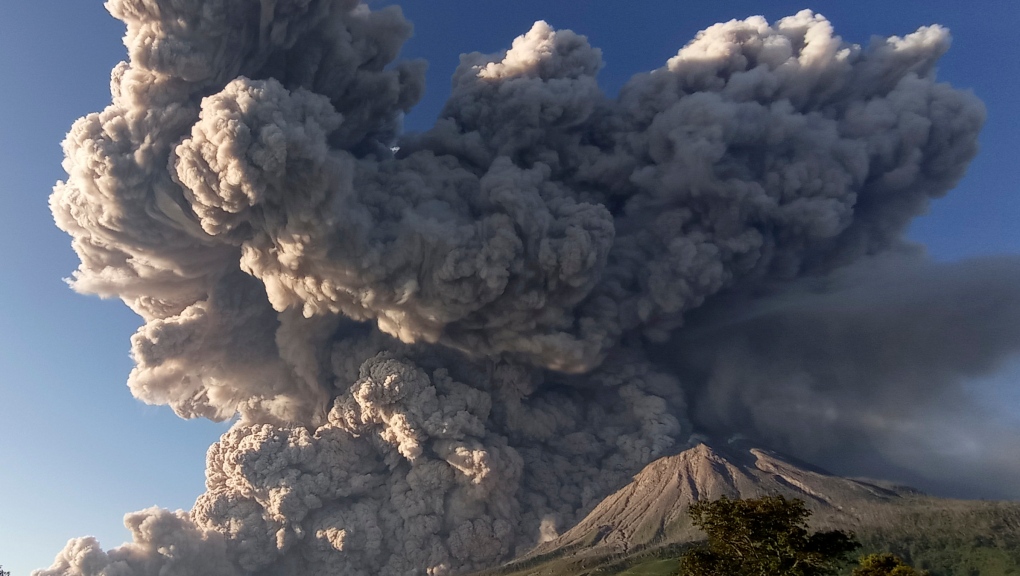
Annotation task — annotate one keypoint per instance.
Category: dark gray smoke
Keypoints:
(867, 370)
(438, 343)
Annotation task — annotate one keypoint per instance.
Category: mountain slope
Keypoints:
(656, 501)
(648, 517)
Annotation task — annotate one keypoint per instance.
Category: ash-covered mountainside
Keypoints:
(645, 525)
(653, 507)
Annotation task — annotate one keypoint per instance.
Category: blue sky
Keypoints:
(79, 451)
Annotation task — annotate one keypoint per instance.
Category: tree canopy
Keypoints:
(886, 565)
(765, 536)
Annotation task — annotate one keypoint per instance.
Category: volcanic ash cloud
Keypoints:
(434, 341)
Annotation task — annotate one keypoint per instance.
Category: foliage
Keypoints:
(953, 538)
(765, 536)
(4, 572)
(885, 565)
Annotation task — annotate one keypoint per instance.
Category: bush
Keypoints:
(885, 565)
(763, 537)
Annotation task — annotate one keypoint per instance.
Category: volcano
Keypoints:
(646, 522)
(448, 349)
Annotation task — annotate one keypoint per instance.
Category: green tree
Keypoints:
(765, 536)
(886, 565)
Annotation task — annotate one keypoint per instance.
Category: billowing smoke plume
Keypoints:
(872, 360)
(446, 346)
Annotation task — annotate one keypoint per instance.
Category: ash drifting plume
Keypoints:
(445, 346)
(871, 360)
